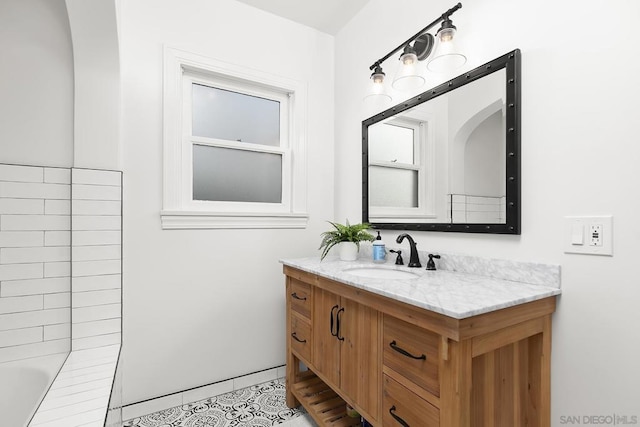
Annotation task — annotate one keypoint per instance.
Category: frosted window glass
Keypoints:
(233, 116)
(228, 175)
(390, 143)
(395, 188)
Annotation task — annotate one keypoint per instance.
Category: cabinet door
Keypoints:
(326, 347)
(360, 354)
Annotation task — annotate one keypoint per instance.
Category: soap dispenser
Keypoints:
(379, 251)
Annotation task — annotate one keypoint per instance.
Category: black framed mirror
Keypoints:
(449, 158)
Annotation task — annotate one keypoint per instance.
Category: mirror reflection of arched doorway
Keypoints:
(477, 179)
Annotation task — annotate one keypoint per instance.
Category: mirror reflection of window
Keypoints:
(393, 164)
(387, 181)
(391, 143)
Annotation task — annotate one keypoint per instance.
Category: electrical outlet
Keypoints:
(595, 235)
(589, 235)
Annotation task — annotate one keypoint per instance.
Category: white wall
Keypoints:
(206, 305)
(580, 155)
(97, 83)
(36, 83)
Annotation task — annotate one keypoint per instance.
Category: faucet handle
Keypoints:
(431, 265)
(399, 260)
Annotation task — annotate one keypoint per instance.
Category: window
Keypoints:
(400, 184)
(234, 146)
(239, 141)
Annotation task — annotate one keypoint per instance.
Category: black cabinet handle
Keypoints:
(404, 352)
(333, 334)
(297, 297)
(397, 418)
(338, 324)
(295, 337)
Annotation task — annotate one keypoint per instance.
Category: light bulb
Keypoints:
(446, 57)
(446, 34)
(408, 59)
(408, 76)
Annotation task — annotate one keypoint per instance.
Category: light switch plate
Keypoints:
(597, 235)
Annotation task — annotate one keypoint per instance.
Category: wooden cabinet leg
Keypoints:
(455, 386)
(545, 375)
(293, 369)
(539, 408)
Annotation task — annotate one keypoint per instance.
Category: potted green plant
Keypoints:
(349, 236)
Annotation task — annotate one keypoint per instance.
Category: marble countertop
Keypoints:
(452, 293)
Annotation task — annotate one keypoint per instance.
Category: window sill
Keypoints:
(175, 220)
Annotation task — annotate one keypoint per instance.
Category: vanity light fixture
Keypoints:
(408, 76)
(378, 96)
(446, 56)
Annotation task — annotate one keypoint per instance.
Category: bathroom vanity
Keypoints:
(420, 348)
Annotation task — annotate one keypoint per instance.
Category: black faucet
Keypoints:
(431, 265)
(414, 260)
(399, 260)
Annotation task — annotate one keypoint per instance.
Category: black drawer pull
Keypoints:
(295, 337)
(394, 346)
(333, 334)
(295, 295)
(338, 322)
(397, 418)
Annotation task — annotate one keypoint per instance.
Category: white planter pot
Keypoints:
(348, 251)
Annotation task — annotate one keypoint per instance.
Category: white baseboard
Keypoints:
(150, 406)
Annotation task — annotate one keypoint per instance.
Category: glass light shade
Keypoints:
(446, 57)
(377, 96)
(408, 75)
(446, 34)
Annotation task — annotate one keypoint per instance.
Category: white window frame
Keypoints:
(180, 211)
(423, 164)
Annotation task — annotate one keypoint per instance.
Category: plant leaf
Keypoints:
(343, 233)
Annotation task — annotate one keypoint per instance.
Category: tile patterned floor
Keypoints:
(262, 405)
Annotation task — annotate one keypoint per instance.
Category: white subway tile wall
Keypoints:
(96, 266)
(60, 282)
(35, 234)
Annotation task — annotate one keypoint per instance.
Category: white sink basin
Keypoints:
(380, 273)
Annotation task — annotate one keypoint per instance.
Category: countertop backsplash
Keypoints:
(517, 271)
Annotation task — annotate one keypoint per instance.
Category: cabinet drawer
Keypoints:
(412, 352)
(400, 404)
(301, 298)
(301, 337)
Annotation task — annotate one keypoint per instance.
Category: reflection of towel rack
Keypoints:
(476, 209)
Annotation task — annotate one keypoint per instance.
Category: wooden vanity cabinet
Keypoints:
(342, 351)
(299, 318)
(402, 365)
(346, 349)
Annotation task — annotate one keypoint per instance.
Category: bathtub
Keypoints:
(23, 384)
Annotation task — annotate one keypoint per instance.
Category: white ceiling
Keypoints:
(328, 16)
